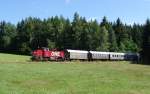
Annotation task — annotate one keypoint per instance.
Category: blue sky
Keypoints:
(129, 11)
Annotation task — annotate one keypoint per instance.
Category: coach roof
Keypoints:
(77, 51)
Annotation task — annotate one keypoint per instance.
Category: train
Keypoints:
(45, 54)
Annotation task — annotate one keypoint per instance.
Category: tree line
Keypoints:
(62, 33)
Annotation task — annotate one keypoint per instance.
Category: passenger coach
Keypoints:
(77, 54)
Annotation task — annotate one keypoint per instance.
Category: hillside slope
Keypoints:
(13, 58)
(72, 77)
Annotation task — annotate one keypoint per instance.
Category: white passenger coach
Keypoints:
(97, 55)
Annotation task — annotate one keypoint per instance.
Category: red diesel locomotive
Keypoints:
(46, 54)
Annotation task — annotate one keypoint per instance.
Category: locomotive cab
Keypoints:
(37, 55)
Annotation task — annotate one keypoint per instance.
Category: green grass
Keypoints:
(19, 76)
(5, 58)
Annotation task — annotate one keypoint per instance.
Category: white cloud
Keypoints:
(67, 1)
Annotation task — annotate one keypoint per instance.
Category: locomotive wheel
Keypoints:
(41, 58)
(60, 59)
(45, 59)
(38, 58)
(32, 59)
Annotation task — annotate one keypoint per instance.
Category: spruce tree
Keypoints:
(146, 44)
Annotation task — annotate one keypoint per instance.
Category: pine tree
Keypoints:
(103, 41)
(136, 33)
(146, 43)
(112, 41)
(92, 34)
(7, 35)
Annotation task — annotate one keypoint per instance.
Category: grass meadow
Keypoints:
(18, 75)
